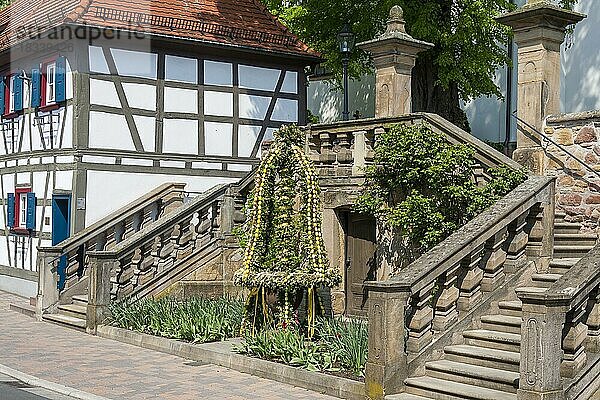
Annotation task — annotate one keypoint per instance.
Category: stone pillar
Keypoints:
(99, 285)
(47, 296)
(394, 54)
(541, 350)
(387, 364)
(539, 30)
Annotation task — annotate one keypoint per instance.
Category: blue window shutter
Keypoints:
(61, 79)
(18, 87)
(10, 214)
(36, 88)
(2, 96)
(31, 206)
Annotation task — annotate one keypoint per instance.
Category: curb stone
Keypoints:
(55, 387)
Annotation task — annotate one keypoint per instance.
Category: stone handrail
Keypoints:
(99, 236)
(345, 148)
(427, 296)
(158, 249)
(561, 326)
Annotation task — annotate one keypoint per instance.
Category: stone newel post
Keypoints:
(394, 54)
(539, 28)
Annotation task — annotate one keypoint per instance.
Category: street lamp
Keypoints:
(346, 41)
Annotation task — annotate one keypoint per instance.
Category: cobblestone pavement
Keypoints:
(120, 371)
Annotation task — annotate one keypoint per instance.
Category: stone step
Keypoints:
(485, 357)
(491, 378)
(64, 320)
(81, 300)
(562, 265)
(405, 396)
(493, 339)
(501, 323)
(571, 251)
(544, 280)
(73, 310)
(511, 308)
(560, 216)
(566, 227)
(569, 239)
(446, 390)
(23, 308)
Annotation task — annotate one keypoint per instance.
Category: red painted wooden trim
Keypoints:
(18, 193)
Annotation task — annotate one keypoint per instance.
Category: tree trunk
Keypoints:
(429, 96)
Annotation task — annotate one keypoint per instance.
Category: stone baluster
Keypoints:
(517, 242)
(592, 343)
(540, 247)
(344, 153)
(446, 312)
(359, 153)
(495, 255)
(99, 289)
(541, 350)
(387, 364)
(420, 322)
(470, 285)
(327, 156)
(135, 266)
(575, 332)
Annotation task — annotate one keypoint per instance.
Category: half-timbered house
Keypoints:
(103, 100)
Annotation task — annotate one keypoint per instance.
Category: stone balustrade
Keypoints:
(104, 234)
(439, 289)
(346, 148)
(561, 327)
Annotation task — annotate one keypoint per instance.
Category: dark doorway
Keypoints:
(360, 260)
(61, 230)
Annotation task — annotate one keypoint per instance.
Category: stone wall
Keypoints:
(578, 188)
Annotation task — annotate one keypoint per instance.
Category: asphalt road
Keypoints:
(11, 389)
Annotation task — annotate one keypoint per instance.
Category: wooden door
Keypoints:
(360, 261)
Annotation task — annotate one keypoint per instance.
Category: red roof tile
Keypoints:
(244, 23)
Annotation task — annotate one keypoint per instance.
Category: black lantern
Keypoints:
(346, 42)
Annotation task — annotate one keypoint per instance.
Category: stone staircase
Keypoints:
(71, 315)
(484, 362)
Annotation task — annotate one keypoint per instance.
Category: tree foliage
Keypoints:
(469, 44)
(423, 187)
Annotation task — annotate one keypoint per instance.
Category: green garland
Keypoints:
(284, 248)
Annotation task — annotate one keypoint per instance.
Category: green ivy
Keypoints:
(423, 187)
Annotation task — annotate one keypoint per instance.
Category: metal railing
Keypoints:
(546, 138)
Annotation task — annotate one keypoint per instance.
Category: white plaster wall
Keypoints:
(218, 73)
(290, 83)
(247, 136)
(181, 100)
(251, 77)
(18, 286)
(286, 110)
(97, 60)
(109, 131)
(104, 93)
(146, 127)
(64, 180)
(140, 95)
(254, 107)
(218, 138)
(325, 100)
(218, 103)
(181, 69)
(180, 136)
(135, 63)
(108, 191)
(67, 141)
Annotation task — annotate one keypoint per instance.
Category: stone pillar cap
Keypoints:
(540, 12)
(395, 34)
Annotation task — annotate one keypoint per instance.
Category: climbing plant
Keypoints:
(422, 187)
(284, 248)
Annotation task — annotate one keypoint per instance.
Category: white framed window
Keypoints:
(51, 83)
(22, 210)
(11, 92)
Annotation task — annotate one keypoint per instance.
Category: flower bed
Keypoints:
(196, 320)
(339, 347)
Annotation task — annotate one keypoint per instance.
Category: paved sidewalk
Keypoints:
(119, 371)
